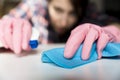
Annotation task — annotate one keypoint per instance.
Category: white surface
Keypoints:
(30, 67)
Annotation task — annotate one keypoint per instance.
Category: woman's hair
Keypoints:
(80, 8)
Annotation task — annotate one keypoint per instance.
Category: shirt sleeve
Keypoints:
(20, 11)
(28, 9)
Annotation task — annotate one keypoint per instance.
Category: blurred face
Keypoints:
(62, 15)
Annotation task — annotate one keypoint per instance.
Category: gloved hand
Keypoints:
(15, 34)
(88, 34)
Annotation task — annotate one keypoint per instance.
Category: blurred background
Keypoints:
(6, 5)
(110, 7)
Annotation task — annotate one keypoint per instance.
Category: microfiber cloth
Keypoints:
(55, 55)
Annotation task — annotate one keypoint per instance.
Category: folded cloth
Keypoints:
(55, 56)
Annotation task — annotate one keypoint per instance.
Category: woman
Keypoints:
(54, 19)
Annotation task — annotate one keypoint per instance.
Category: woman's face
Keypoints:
(62, 15)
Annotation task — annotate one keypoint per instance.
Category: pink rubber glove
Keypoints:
(88, 34)
(15, 34)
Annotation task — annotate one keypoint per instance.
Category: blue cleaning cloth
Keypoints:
(55, 56)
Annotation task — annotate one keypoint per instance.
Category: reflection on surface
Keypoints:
(105, 69)
(31, 68)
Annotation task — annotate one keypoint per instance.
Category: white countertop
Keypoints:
(30, 67)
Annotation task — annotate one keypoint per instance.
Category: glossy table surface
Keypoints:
(30, 67)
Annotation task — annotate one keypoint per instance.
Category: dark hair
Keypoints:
(80, 8)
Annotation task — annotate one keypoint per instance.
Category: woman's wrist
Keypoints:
(114, 31)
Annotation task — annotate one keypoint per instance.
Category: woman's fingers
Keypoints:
(88, 42)
(2, 39)
(81, 27)
(102, 41)
(17, 36)
(26, 33)
(8, 33)
(74, 41)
